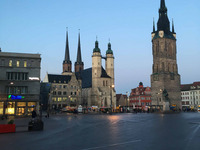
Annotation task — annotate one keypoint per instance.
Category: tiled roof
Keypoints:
(187, 87)
(59, 78)
(86, 77)
(104, 74)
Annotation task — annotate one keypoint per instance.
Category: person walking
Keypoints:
(34, 114)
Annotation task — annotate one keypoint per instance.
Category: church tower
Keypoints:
(96, 65)
(67, 64)
(110, 63)
(165, 80)
(79, 65)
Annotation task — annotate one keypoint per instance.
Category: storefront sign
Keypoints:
(15, 97)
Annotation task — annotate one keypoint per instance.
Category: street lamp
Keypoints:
(158, 97)
(112, 87)
(127, 101)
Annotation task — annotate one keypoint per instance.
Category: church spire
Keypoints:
(79, 64)
(67, 57)
(173, 26)
(67, 63)
(154, 30)
(79, 59)
(163, 21)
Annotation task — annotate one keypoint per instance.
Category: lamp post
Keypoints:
(112, 87)
(127, 101)
(158, 97)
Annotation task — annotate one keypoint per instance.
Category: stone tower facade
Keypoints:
(110, 63)
(165, 80)
(96, 65)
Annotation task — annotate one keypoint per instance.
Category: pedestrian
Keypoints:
(34, 114)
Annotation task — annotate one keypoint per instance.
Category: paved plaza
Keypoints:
(127, 131)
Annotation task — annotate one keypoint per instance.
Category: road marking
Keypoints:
(117, 144)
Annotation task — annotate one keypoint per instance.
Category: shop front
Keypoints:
(11, 108)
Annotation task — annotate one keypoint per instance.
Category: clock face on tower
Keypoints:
(161, 34)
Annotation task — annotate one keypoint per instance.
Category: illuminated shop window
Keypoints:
(1, 108)
(17, 63)
(10, 63)
(21, 104)
(10, 108)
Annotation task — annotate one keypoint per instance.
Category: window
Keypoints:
(10, 63)
(64, 86)
(64, 99)
(17, 63)
(59, 99)
(25, 63)
(54, 92)
(59, 92)
(64, 93)
(17, 90)
(54, 99)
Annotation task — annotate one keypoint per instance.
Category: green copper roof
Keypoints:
(109, 51)
(96, 49)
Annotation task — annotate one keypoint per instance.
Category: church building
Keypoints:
(92, 87)
(165, 79)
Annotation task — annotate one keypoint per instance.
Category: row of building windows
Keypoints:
(17, 90)
(142, 98)
(64, 93)
(18, 63)
(183, 98)
(63, 86)
(187, 93)
(17, 76)
(190, 102)
(62, 99)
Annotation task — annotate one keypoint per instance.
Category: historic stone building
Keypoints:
(19, 83)
(65, 89)
(165, 80)
(97, 82)
(87, 87)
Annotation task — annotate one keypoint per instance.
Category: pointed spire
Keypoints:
(154, 30)
(79, 65)
(67, 57)
(163, 21)
(172, 25)
(79, 59)
(163, 8)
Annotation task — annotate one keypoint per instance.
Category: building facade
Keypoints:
(92, 87)
(19, 83)
(98, 83)
(165, 80)
(190, 96)
(140, 97)
(65, 89)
